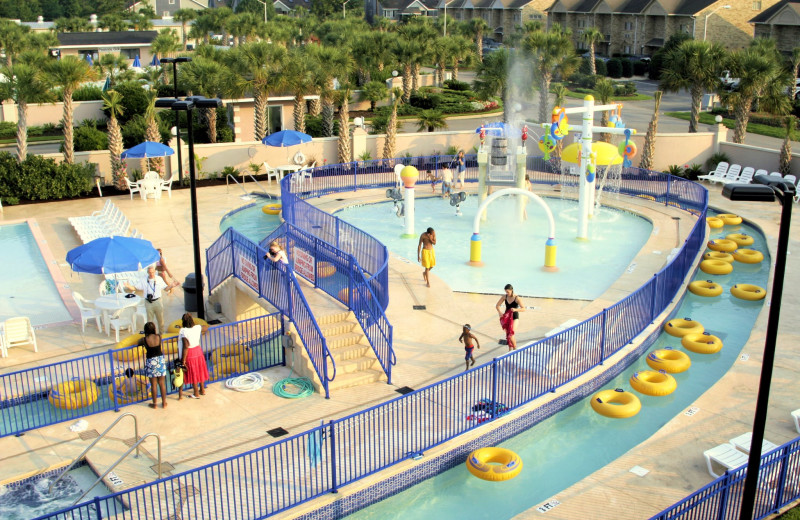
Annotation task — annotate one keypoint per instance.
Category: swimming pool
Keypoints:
(575, 442)
(30, 498)
(513, 252)
(250, 221)
(26, 285)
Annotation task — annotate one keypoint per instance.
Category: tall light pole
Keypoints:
(175, 61)
(188, 105)
(767, 190)
(265, 10)
(344, 15)
(705, 23)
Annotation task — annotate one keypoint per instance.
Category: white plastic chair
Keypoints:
(133, 187)
(18, 331)
(88, 311)
(167, 185)
(121, 319)
(152, 175)
(271, 172)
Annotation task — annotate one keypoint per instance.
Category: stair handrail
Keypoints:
(227, 184)
(258, 183)
(136, 447)
(99, 437)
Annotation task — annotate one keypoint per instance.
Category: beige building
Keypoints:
(129, 44)
(780, 22)
(641, 27)
(502, 16)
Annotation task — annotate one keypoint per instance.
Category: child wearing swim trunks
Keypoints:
(466, 338)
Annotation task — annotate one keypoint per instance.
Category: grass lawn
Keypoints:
(35, 139)
(637, 97)
(755, 128)
(792, 514)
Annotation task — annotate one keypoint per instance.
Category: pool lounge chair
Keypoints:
(796, 417)
(726, 456)
(18, 331)
(743, 441)
(744, 177)
(730, 176)
(718, 173)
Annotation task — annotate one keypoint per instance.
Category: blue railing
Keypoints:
(25, 404)
(233, 254)
(276, 477)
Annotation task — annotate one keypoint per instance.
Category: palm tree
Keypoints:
(204, 25)
(649, 148)
(374, 91)
(592, 36)
(491, 78)
(460, 51)
(111, 65)
(550, 51)
(68, 73)
(12, 39)
(794, 63)
(74, 24)
(694, 66)
(439, 54)
(604, 88)
(786, 149)
(381, 51)
(164, 45)
(24, 83)
(211, 79)
(184, 16)
(406, 52)
(344, 148)
(331, 63)
(152, 134)
(478, 27)
(391, 127)
(113, 23)
(431, 120)
(140, 21)
(112, 101)
(298, 77)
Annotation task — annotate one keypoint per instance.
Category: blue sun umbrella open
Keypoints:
(286, 138)
(147, 150)
(115, 254)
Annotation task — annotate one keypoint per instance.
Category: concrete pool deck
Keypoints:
(427, 351)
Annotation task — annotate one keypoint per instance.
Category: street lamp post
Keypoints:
(765, 190)
(705, 22)
(344, 15)
(265, 10)
(188, 105)
(175, 61)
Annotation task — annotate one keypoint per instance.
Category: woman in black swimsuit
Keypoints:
(511, 301)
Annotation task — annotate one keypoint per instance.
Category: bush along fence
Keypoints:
(49, 394)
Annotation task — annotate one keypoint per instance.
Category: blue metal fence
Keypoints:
(26, 394)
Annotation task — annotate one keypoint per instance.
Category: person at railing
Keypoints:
(276, 253)
(467, 337)
(425, 253)
(509, 317)
(192, 356)
(154, 366)
(461, 165)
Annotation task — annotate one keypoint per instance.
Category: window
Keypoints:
(129, 53)
(165, 14)
(756, 6)
(581, 23)
(628, 26)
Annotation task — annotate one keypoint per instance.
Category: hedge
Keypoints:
(37, 178)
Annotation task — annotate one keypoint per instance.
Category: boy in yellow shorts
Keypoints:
(425, 253)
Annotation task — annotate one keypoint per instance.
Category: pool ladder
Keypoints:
(99, 437)
(246, 196)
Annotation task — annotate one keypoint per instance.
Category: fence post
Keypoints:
(337, 233)
(355, 175)
(316, 260)
(667, 195)
(781, 479)
(723, 498)
(494, 388)
(113, 373)
(332, 443)
(97, 510)
(603, 336)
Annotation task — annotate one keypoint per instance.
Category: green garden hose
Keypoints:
(302, 386)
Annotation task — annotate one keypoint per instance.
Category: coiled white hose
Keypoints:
(245, 382)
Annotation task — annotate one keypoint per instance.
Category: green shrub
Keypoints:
(88, 93)
(640, 68)
(627, 67)
(134, 101)
(614, 68)
(627, 88)
(134, 131)
(8, 130)
(600, 68)
(314, 126)
(425, 100)
(714, 160)
(456, 85)
(87, 137)
(38, 178)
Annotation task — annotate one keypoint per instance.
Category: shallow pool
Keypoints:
(26, 286)
(513, 252)
(569, 446)
(251, 221)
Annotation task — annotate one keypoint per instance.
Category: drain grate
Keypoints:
(214, 322)
(185, 492)
(277, 432)
(166, 468)
(419, 307)
(88, 434)
(404, 390)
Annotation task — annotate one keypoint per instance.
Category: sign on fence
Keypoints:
(303, 263)
(248, 272)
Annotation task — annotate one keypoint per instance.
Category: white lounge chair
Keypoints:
(744, 178)
(726, 456)
(743, 442)
(133, 187)
(796, 417)
(730, 176)
(761, 171)
(790, 178)
(18, 331)
(776, 174)
(718, 173)
(88, 311)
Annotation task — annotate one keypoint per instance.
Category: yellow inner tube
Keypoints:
(730, 219)
(494, 464)
(272, 209)
(130, 354)
(73, 394)
(722, 244)
(616, 404)
(714, 222)
(748, 256)
(177, 325)
(681, 327)
(669, 360)
(746, 291)
(718, 255)
(230, 365)
(240, 352)
(705, 288)
(703, 343)
(716, 267)
(650, 382)
(325, 269)
(122, 397)
(741, 239)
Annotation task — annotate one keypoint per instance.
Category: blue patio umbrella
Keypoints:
(107, 84)
(155, 62)
(116, 254)
(500, 129)
(146, 150)
(136, 63)
(286, 138)
(89, 59)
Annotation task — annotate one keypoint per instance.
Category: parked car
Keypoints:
(796, 88)
(728, 81)
(597, 57)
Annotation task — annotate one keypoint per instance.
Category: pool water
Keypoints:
(30, 498)
(251, 222)
(513, 252)
(26, 286)
(572, 444)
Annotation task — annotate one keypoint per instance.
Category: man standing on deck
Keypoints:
(425, 254)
